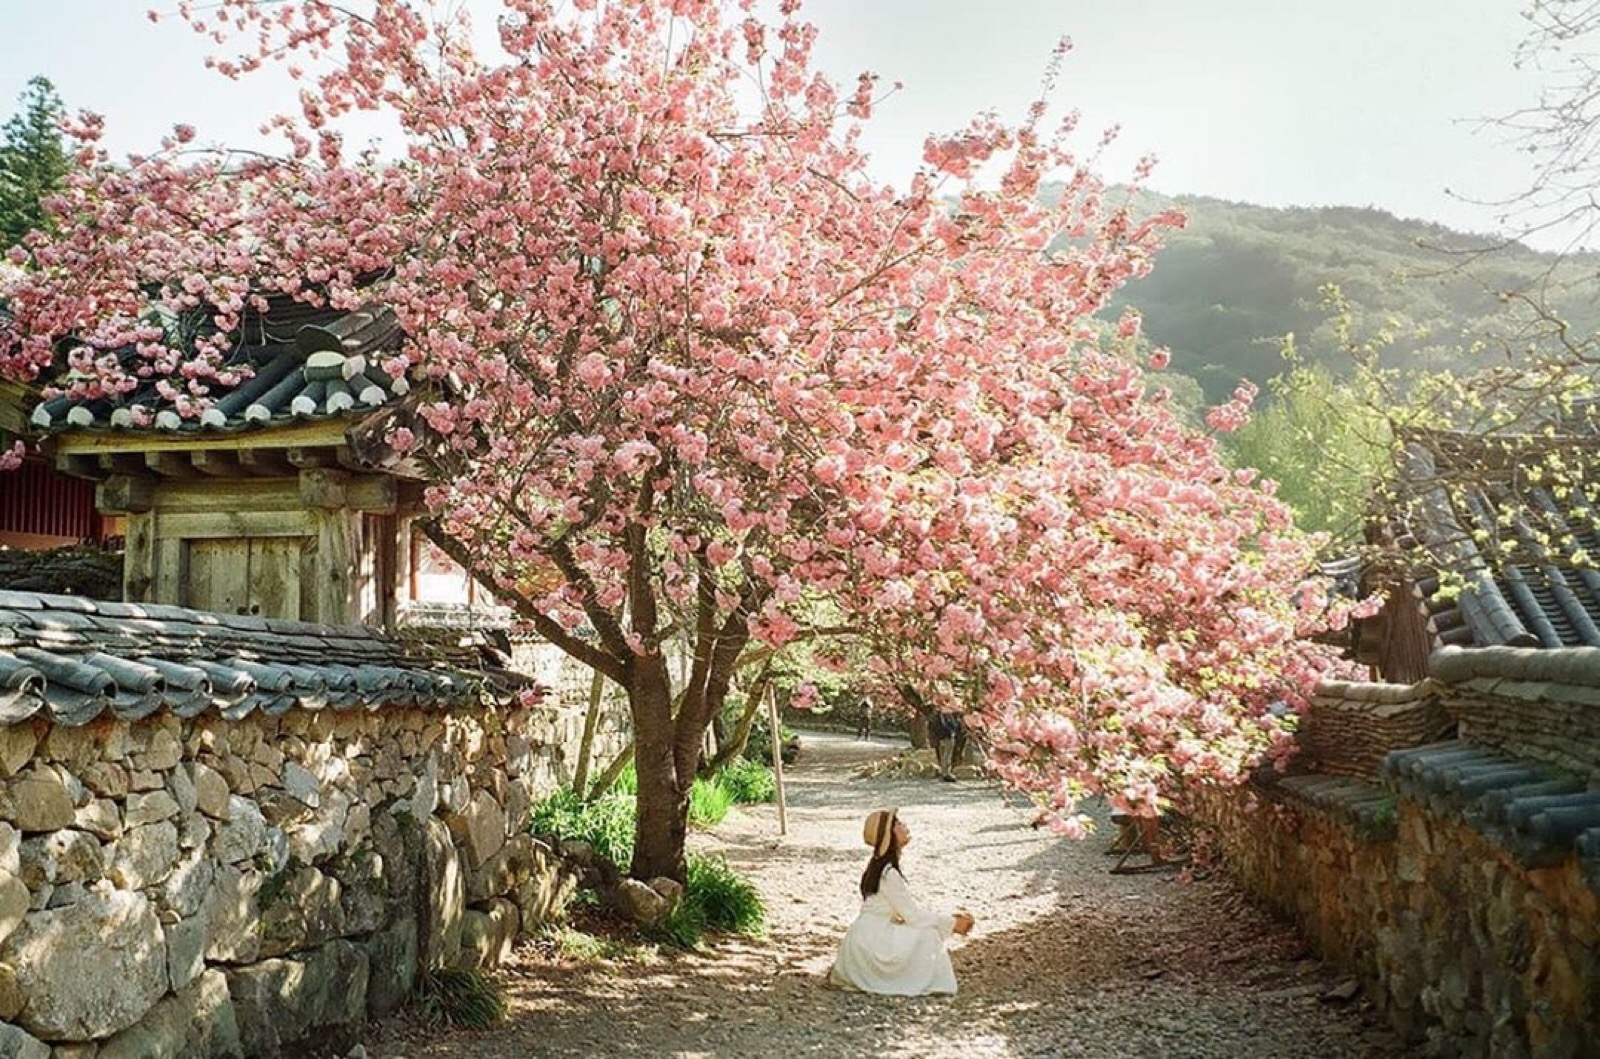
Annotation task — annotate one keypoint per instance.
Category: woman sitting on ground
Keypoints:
(894, 947)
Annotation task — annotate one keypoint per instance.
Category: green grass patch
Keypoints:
(716, 899)
(606, 823)
(709, 802)
(469, 999)
(751, 782)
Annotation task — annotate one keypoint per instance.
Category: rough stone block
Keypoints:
(165, 749)
(89, 969)
(364, 896)
(443, 889)
(197, 1021)
(288, 1005)
(100, 818)
(301, 785)
(186, 950)
(488, 935)
(11, 995)
(241, 837)
(210, 791)
(38, 801)
(300, 909)
(479, 828)
(392, 954)
(231, 908)
(144, 856)
(17, 744)
(189, 883)
(106, 778)
(16, 1043)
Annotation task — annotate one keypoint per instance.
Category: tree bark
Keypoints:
(591, 721)
(663, 803)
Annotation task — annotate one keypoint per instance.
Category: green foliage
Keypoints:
(606, 823)
(33, 161)
(715, 899)
(1323, 442)
(750, 782)
(468, 999)
(569, 943)
(759, 747)
(709, 802)
(1227, 289)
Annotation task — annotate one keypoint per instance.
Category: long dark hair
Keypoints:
(875, 867)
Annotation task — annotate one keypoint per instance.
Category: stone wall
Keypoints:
(1460, 882)
(260, 887)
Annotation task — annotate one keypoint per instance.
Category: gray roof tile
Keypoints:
(303, 362)
(74, 660)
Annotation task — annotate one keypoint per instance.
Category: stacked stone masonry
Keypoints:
(1459, 879)
(260, 887)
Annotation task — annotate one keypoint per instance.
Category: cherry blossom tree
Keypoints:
(686, 374)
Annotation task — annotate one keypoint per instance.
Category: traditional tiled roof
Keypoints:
(1538, 813)
(73, 660)
(1486, 533)
(306, 363)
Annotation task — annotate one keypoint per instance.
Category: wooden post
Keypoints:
(777, 757)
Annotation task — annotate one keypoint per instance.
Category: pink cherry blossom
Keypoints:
(688, 361)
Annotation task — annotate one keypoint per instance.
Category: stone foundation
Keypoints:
(1461, 881)
(262, 887)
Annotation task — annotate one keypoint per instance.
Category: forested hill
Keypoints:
(1239, 277)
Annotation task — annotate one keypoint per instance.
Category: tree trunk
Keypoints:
(591, 721)
(734, 744)
(612, 773)
(663, 802)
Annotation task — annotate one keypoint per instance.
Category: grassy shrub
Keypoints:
(709, 802)
(470, 999)
(606, 823)
(726, 900)
(716, 899)
(750, 782)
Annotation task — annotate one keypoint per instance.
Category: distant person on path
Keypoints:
(864, 721)
(894, 947)
(949, 734)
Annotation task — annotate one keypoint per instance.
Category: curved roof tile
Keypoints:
(304, 362)
(75, 660)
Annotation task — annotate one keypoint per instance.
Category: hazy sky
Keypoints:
(1313, 102)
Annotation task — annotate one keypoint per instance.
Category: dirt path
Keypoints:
(1067, 960)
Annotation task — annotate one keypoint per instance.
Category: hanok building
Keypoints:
(1487, 541)
(260, 505)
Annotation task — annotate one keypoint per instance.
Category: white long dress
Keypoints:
(894, 946)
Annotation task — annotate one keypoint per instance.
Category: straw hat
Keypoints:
(878, 832)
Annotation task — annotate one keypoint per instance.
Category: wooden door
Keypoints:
(267, 576)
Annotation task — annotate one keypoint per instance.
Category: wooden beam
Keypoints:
(334, 551)
(124, 494)
(323, 489)
(131, 463)
(222, 464)
(81, 466)
(349, 461)
(170, 464)
(139, 558)
(266, 463)
(322, 433)
(307, 458)
(375, 494)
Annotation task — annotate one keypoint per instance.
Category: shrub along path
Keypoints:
(1067, 960)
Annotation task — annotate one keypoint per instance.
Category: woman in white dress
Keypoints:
(894, 947)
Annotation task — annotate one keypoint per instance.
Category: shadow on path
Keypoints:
(1067, 959)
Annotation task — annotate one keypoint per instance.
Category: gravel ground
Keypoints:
(1066, 960)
